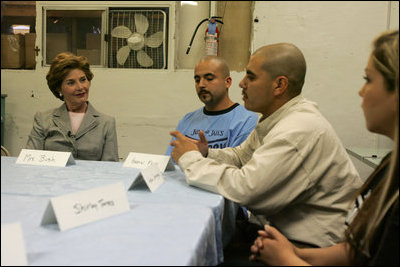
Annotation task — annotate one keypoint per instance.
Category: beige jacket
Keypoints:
(292, 169)
(96, 138)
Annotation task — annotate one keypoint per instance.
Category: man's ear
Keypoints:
(280, 85)
(228, 82)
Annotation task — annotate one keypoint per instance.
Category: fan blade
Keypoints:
(154, 40)
(123, 54)
(121, 32)
(141, 23)
(144, 59)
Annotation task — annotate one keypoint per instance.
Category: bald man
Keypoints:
(292, 169)
(225, 123)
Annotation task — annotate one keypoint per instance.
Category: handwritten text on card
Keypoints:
(143, 161)
(84, 207)
(45, 158)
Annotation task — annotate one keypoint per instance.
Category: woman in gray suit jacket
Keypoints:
(76, 126)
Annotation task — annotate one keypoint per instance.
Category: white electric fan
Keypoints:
(137, 40)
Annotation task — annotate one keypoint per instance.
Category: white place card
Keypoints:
(86, 206)
(143, 160)
(12, 245)
(151, 176)
(45, 158)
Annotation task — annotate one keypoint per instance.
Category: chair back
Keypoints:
(4, 151)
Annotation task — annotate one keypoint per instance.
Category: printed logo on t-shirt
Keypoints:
(208, 133)
(212, 137)
(219, 143)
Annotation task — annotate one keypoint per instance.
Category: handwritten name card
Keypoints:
(143, 160)
(87, 206)
(12, 245)
(45, 158)
(151, 176)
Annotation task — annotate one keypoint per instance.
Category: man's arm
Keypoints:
(257, 176)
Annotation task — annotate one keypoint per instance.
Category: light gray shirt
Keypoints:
(292, 169)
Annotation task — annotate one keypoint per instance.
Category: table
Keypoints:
(370, 156)
(175, 225)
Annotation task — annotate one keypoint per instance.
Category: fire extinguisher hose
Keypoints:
(194, 34)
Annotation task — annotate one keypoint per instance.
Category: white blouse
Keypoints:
(76, 120)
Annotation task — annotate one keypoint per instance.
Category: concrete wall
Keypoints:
(334, 36)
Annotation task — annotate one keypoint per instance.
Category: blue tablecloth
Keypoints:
(175, 225)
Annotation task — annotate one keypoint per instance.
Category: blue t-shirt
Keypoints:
(225, 128)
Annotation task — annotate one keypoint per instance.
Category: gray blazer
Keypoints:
(96, 138)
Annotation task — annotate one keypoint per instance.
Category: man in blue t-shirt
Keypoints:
(224, 122)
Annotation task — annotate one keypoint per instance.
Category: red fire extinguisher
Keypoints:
(211, 36)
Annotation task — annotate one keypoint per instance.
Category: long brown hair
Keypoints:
(361, 232)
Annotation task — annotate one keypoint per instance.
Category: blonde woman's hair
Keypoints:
(362, 231)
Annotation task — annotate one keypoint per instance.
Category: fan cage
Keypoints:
(157, 22)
